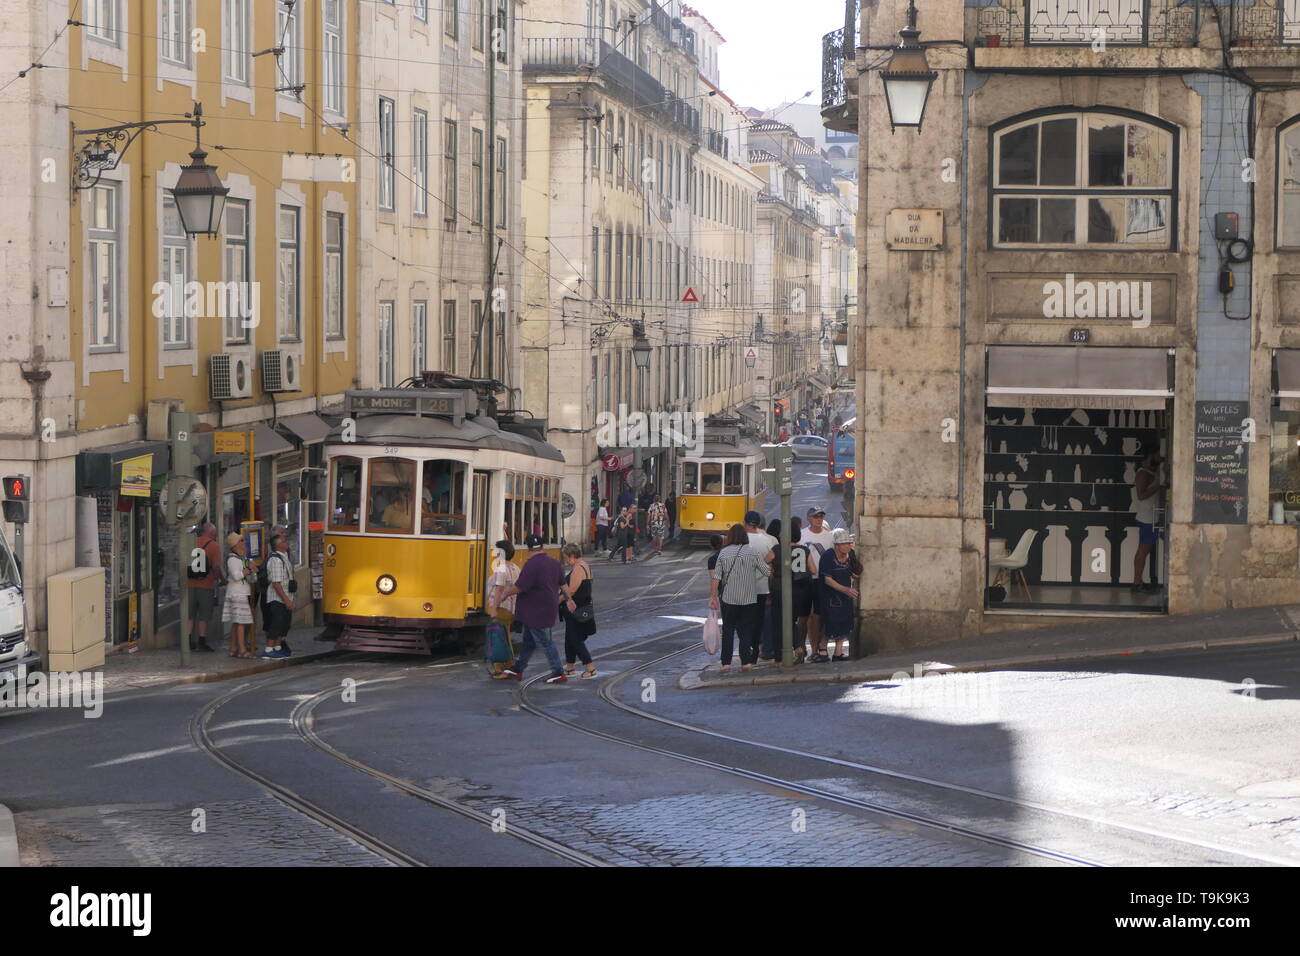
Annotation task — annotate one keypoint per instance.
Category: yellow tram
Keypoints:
(422, 482)
(717, 485)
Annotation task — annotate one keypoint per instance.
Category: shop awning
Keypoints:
(1286, 373)
(1061, 376)
(308, 429)
(752, 414)
(101, 468)
(267, 441)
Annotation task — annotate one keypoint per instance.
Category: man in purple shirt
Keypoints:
(536, 609)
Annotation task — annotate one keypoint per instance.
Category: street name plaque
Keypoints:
(914, 230)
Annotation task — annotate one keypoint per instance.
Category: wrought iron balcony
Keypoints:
(1155, 23)
(839, 95)
(587, 55)
(716, 141)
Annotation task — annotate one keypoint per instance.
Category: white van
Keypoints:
(16, 656)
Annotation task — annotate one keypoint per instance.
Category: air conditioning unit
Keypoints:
(281, 371)
(229, 376)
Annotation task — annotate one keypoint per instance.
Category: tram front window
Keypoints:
(392, 504)
(442, 504)
(690, 477)
(345, 509)
(734, 486)
(711, 478)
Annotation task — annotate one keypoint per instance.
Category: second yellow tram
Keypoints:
(720, 482)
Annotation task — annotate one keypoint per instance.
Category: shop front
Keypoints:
(1066, 431)
(118, 528)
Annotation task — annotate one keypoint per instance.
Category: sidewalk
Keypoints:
(1109, 638)
(161, 667)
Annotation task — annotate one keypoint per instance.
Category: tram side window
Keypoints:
(345, 509)
(690, 477)
(442, 498)
(391, 507)
(711, 478)
(733, 484)
(532, 507)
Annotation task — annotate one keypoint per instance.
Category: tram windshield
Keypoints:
(345, 490)
(442, 498)
(710, 478)
(734, 484)
(713, 478)
(391, 508)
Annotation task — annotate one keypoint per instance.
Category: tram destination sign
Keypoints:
(1219, 479)
(415, 403)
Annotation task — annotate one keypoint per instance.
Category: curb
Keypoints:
(694, 679)
(8, 838)
(252, 669)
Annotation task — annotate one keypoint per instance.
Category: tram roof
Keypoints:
(471, 434)
(712, 449)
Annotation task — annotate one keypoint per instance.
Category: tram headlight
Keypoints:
(708, 516)
(386, 584)
(344, 602)
(428, 608)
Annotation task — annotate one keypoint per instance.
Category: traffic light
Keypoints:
(15, 504)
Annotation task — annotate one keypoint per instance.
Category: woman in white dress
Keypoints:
(503, 575)
(236, 610)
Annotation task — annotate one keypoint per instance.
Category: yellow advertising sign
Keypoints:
(136, 475)
(229, 443)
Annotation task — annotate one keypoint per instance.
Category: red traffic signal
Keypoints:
(15, 487)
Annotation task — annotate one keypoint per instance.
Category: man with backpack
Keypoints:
(202, 583)
(279, 605)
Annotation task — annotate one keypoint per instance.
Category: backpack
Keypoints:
(799, 563)
(497, 651)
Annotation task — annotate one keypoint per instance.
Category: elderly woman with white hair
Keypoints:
(839, 571)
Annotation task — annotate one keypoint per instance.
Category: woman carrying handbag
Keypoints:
(577, 610)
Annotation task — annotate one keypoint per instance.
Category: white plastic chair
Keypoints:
(1015, 562)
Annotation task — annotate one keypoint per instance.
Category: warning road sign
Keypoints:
(689, 295)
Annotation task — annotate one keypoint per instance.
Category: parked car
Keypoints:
(810, 447)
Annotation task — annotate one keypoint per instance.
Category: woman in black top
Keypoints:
(575, 594)
(803, 570)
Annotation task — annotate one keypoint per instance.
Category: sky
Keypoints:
(773, 49)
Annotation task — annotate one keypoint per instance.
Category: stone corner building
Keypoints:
(1087, 306)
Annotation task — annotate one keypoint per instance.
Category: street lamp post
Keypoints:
(641, 352)
(908, 77)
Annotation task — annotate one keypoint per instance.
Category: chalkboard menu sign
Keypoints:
(1219, 485)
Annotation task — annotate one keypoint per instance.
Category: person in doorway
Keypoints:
(202, 584)
(820, 539)
(671, 506)
(237, 610)
(602, 524)
(657, 521)
(839, 596)
(579, 624)
(537, 588)
(279, 605)
(1147, 485)
(764, 544)
(734, 589)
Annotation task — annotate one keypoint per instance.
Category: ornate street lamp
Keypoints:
(908, 77)
(200, 197)
(641, 349)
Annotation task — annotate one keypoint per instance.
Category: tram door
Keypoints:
(478, 544)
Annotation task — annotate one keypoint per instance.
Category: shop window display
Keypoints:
(1284, 469)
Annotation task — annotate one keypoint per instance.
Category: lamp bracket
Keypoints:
(108, 144)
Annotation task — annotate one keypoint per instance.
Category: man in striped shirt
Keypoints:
(734, 586)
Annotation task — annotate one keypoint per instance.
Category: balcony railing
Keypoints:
(716, 141)
(839, 112)
(586, 54)
(1157, 23)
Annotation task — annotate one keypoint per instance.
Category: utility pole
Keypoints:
(490, 246)
(182, 440)
(780, 465)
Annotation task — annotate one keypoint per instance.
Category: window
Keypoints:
(334, 275)
(477, 23)
(501, 32)
(345, 494)
(387, 348)
(451, 18)
(1083, 179)
(103, 240)
(711, 478)
(391, 496)
(734, 484)
(238, 271)
(595, 262)
(332, 68)
(618, 266)
(387, 177)
(175, 275)
(609, 250)
(174, 40)
(500, 198)
(101, 20)
(287, 30)
(288, 280)
(442, 498)
(622, 154)
(449, 336)
(419, 337)
(690, 477)
(609, 147)
(420, 162)
(449, 174)
(532, 507)
(476, 175)
(1288, 186)
(234, 29)
(482, 343)
(421, 10)
(594, 126)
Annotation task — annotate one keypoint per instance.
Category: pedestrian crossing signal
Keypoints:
(16, 487)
